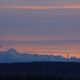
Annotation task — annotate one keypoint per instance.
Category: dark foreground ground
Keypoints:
(40, 71)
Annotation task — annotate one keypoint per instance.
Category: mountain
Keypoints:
(12, 56)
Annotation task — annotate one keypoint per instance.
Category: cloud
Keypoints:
(39, 38)
(72, 6)
(1, 46)
(34, 7)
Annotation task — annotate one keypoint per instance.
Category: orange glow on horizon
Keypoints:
(45, 50)
(40, 48)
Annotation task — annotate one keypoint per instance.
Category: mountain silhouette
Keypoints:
(12, 56)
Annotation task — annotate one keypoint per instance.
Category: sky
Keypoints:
(41, 26)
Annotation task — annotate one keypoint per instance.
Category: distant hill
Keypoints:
(12, 56)
(41, 69)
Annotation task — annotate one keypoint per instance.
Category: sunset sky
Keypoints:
(41, 26)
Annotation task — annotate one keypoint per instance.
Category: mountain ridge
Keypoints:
(12, 56)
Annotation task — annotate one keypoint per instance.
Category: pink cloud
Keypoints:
(35, 38)
(34, 7)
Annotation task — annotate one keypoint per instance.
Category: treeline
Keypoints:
(17, 77)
